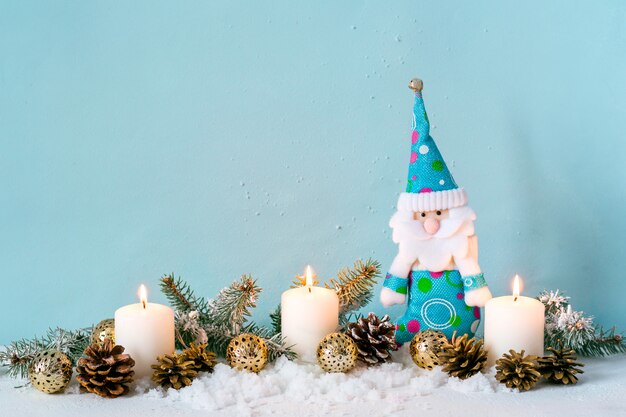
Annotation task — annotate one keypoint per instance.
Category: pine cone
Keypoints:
(463, 358)
(174, 371)
(204, 360)
(517, 371)
(560, 367)
(374, 338)
(105, 370)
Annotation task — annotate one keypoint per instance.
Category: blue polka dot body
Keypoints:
(436, 301)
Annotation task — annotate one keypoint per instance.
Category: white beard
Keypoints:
(434, 252)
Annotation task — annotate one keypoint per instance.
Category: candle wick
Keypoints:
(309, 289)
(515, 299)
(143, 302)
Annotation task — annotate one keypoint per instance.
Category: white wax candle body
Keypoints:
(307, 315)
(145, 334)
(513, 324)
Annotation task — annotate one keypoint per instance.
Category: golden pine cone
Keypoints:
(463, 358)
(174, 371)
(204, 360)
(105, 370)
(516, 370)
(560, 367)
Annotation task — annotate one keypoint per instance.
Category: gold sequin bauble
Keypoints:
(103, 330)
(337, 352)
(426, 347)
(50, 371)
(247, 351)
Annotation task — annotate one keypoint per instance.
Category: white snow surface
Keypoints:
(287, 388)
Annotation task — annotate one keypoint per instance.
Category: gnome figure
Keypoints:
(436, 268)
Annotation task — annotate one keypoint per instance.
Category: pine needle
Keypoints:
(233, 304)
(300, 280)
(355, 286)
(18, 355)
(221, 319)
(181, 296)
(575, 330)
(275, 317)
(274, 341)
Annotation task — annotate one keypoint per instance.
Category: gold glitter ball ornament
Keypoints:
(426, 347)
(337, 352)
(50, 371)
(247, 351)
(103, 330)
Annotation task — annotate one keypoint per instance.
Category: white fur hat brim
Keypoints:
(435, 200)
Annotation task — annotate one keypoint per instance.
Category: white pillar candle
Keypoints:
(513, 322)
(308, 313)
(146, 330)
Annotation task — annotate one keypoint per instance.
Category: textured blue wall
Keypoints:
(219, 138)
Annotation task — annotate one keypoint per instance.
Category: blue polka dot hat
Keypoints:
(430, 185)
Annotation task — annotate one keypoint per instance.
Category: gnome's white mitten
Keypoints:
(390, 297)
(478, 297)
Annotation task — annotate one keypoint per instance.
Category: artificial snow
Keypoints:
(291, 388)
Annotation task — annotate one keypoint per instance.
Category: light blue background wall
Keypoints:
(219, 138)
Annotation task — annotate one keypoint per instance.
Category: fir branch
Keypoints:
(575, 330)
(604, 343)
(344, 319)
(274, 341)
(276, 318)
(300, 280)
(554, 301)
(18, 355)
(181, 296)
(188, 329)
(216, 322)
(355, 286)
(218, 339)
(232, 306)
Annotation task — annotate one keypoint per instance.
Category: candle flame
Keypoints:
(143, 295)
(309, 276)
(516, 287)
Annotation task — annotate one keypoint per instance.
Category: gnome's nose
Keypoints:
(431, 226)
